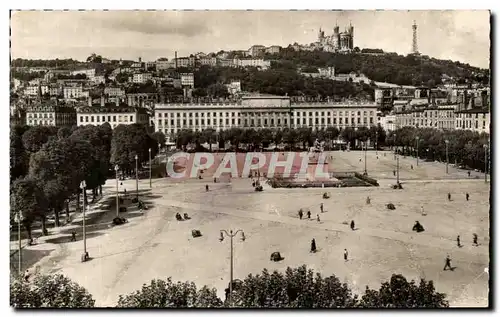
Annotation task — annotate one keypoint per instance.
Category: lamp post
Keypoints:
(376, 142)
(117, 200)
(231, 235)
(137, 177)
(85, 255)
(485, 163)
(395, 149)
(19, 218)
(446, 142)
(417, 138)
(150, 184)
(397, 169)
(366, 147)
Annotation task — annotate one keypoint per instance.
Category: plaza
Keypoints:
(153, 244)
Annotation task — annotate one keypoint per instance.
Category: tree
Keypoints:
(28, 200)
(19, 158)
(37, 136)
(49, 291)
(127, 142)
(166, 294)
(399, 293)
(296, 288)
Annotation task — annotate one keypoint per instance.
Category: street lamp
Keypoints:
(418, 140)
(446, 142)
(395, 149)
(485, 163)
(19, 218)
(117, 200)
(137, 177)
(231, 235)
(366, 147)
(376, 142)
(397, 170)
(150, 185)
(85, 255)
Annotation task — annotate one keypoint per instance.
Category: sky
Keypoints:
(457, 35)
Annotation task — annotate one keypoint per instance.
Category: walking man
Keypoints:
(474, 240)
(300, 214)
(449, 197)
(468, 173)
(321, 207)
(467, 196)
(345, 255)
(308, 214)
(394, 172)
(422, 211)
(368, 200)
(313, 245)
(206, 188)
(352, 224)
(447, 263)
(73, 236)
(458, 241)
(412, 166)
(317, 217)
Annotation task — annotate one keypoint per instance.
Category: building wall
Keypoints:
(478, 122)
(113, 118)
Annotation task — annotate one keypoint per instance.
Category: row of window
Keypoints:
(258, 114)
(102, 118)
(36, 115)
(466, 124)
(266, 121)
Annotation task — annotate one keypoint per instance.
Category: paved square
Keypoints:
(155, 245)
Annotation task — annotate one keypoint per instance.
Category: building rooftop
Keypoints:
(111, 109)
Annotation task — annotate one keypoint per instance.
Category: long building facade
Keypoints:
(262, 112)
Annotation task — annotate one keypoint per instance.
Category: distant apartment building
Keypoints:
(114, 91)
(387, 122)
(256, 50)
(187, 80)
(74, 92)
(210, 61)
(141, 78)
(50, 115)
(112, 114)
(185, 61)
(32, 90)
(273, 49)
(54, 73)
(327, 72)
(252, 62)
(162, 65)
(477, 120)
(90, 73)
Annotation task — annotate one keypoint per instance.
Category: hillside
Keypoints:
(387, 67)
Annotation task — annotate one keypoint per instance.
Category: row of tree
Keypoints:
(291, 138)
(465, 148)
(295, 288)
(48, 165)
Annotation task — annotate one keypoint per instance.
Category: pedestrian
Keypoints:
(449, 197)
(300, 214)
(321, 207)
(206, 188)
(345, 255)
(411, 166)
(468, 173)
(467, 196)
(458, 241)
(317, 217)
(447, 263)
(215, 180)
(368, 201)
(422, 211)
(394, 172)
(352, 224)
(73, 236)
(313, 245)
(308, 214)
(474, 240)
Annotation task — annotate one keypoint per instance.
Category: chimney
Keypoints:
(90, 101)
(102, 101)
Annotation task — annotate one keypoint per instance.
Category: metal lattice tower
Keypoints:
(414, 47)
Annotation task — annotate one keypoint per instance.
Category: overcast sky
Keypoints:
(455, 35)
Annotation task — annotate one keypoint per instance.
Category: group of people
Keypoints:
(314, 249)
